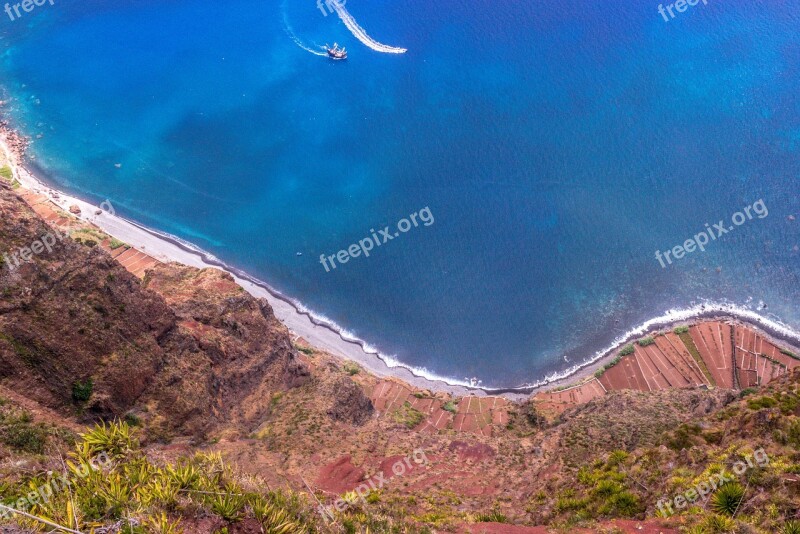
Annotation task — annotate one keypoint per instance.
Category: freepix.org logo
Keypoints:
(26, 5)
(329, 4)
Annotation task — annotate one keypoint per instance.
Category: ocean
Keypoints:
(557, 146)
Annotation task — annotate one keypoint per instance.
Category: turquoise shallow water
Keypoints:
(557, 145)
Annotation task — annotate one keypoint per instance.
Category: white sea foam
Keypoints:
(290, 32)
(360, 33)
(670, 317)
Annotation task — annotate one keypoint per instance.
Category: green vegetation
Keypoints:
(692, 348)
(18, 431)
(82, 390)
(726, 499)
(408, 416)
(450, 406)
(305, 350)
(626, 350)
(608, 366)
(681, 330)
(761, 402)
(682, 438)
(603, 491)
(351, 368)
(133, 486)
(791, 527)
(646, 342)
(7, 173)
(790, 354)
(115, 243)
(491, 517)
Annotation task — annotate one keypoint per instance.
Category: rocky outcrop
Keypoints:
(186, 350)
(350, 404)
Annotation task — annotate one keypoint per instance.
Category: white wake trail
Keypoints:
(359, 32)
(290, 32)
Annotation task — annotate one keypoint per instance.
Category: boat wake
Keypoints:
(290, 32)
(359, 32)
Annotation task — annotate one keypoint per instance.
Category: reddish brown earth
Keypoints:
(668, 363)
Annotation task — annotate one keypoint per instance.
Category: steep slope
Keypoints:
(81, 334)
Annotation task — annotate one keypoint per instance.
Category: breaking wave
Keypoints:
(359, 32)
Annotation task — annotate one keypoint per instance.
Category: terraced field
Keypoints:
(710, 354)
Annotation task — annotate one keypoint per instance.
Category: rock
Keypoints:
(350, 404)
(75, 210)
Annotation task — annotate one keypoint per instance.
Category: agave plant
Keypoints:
(160, 524)
(791, 527)
(727, 498)
(185, 477)
(227, 505)
(159, 491)
(273, 519)
(115, 439)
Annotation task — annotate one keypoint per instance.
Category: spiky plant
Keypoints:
(184, 476)
(160, 524)
(273, 519)
(727, 498)
(115, 439)
(791, 527)
(717, 524)
(227, 505)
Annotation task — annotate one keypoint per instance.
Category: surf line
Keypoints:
(360, 33)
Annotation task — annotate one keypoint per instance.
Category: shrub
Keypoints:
(450, 406)
(791, 527)
(645, 342)
(408, 415)
(681, 330)
(747, 391)
(761, 402)
(82, 391)
(491, 517)
(115, 243)
(727, 498)
(626, 350)
(351, 368)
(6, 172)
(305, 350)
(25, 437)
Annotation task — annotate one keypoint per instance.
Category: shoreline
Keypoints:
(326, 336)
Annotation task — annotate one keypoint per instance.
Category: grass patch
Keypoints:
(18, 431)
(408, 416)
(351, 368)
(308, 351)
(790, 354)
(115, 243)
(646, 342)
(627, 350)
(608, 366)
(681, 330)
(692, 348)
(450, 406)
(7, 173)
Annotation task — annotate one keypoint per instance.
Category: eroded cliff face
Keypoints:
(187, 350)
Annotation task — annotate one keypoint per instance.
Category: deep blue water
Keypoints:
(558, 145)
